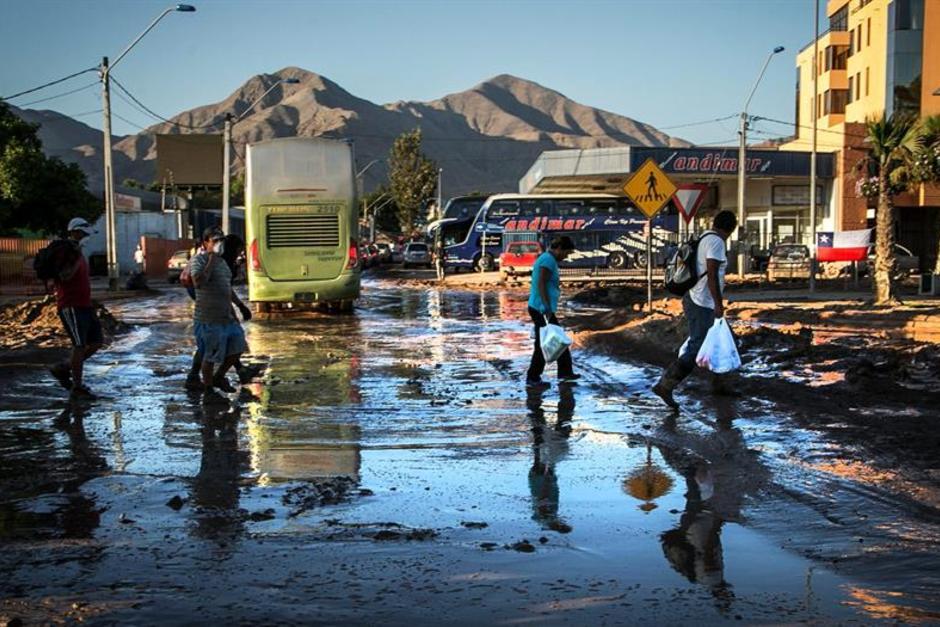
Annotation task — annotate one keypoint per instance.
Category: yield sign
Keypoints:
(649, 188)
(688, 198)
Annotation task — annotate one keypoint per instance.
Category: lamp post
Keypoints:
(742, 160)
(361, 192)
(812, 156)
(104, 72)
(230, 121)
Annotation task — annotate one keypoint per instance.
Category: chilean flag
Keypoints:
(843, 245)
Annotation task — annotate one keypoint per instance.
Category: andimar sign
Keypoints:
(711, 161)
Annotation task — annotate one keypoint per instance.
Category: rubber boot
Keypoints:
(670, 378)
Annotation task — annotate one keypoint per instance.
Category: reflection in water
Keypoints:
(549, 445)
(215, 489)
(694, 547)
(648, 482)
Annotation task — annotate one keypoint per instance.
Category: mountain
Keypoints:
(484, 138)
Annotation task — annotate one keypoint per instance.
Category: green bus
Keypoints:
(301, 224)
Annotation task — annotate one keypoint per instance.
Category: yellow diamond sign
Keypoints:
(649, 188)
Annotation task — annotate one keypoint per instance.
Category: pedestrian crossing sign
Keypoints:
(649, 188)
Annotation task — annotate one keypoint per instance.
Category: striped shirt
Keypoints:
(213, 290)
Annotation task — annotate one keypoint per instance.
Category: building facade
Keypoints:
(876, 57)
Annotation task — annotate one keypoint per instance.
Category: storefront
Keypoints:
(777, 203)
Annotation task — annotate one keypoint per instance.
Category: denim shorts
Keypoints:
(216, 341)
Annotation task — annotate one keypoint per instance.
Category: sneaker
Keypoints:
(62, 374)
(537, 384)
(570, 378)
(223, 384)
(81, 393)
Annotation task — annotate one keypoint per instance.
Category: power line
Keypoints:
(758, 118)
(157, 115)
(49, 84)
(727, 117)
(66, 93)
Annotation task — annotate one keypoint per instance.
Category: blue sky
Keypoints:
(664, 62)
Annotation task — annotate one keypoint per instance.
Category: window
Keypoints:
(859, 37)
(851, 42)
(866, 81)
(851, 91)
(839, 21)
(502, 208)
(836, 57)
(835, 100)
(819, 111)
(819, 66)
(534, 208)
(868, 32)
(858, 85)
(568, 207)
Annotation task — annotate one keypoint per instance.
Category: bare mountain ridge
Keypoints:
(485, 138)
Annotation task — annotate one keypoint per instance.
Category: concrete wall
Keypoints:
(130, 226)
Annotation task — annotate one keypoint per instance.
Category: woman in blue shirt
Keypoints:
(544, 291)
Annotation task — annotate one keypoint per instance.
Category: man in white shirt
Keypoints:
(702, 304)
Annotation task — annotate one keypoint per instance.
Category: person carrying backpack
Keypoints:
(72, 283)
(702, 304)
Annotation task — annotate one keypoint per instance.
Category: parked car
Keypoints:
(416, 254)
(385, 252)
(366, 259)
(519, 257)
(376, 254)
(175, 265)
(789, 262)
(907, 263)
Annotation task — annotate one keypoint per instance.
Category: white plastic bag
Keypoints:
(554, 341)
(718, 352)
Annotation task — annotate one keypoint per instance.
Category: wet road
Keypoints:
(389, 466)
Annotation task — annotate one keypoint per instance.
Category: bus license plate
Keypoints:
(305, 297)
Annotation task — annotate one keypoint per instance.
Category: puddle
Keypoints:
(393, 464)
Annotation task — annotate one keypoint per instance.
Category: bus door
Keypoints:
(303, 242)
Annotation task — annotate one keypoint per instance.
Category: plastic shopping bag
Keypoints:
(718, 352)
(554, 341)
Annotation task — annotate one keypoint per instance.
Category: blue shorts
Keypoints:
(216, 341)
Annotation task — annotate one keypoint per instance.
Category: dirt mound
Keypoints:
(35, 324)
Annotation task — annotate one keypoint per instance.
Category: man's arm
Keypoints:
(714, 287)
(200, 270)
(544, 275)
(244, 309)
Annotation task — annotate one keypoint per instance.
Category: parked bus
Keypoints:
(301, 223)
(459, 214)
(607, 230)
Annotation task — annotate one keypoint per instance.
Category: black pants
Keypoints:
(537, 366)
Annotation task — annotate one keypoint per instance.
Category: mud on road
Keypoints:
(389, 466)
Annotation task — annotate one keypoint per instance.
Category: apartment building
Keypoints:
(876, 57)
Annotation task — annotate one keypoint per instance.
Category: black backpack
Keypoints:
(682, 268)
(51, 260)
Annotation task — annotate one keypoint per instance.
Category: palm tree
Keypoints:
(927, 163)
(893, 145)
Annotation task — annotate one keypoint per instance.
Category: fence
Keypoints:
(157, 251)
(16, 266)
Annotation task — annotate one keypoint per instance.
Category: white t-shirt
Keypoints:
(711, 246)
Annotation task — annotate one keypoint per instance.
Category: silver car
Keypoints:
(416, 254)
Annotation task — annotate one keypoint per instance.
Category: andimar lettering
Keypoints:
(714, 162)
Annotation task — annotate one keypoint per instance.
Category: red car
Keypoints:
(519, 257)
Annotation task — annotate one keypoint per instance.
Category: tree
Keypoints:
(37, 192)
(893, 145)
(413, 178)
(926, 168)
(381, 203)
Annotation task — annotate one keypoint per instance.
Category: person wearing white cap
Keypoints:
(73, 300)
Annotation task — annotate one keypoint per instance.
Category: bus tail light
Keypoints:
(353, 258)
(253, 257)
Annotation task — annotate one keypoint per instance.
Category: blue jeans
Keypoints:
(700, 320)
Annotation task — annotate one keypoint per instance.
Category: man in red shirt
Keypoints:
(73, 300)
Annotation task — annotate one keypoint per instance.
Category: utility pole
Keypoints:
(226, 171)
(812, 155)
(742, 167)
(109, 220)
(742, 161)
(440, 194)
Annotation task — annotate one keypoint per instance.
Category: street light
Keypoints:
(742, 157)
(361, 192)
(105, 74)
(227, 149)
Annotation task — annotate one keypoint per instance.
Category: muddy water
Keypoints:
(390, 466)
